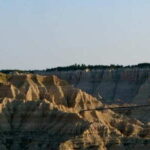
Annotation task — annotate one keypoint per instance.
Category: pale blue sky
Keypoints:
(39, 34)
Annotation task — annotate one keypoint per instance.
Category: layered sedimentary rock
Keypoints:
(127, 85)
(46, 113)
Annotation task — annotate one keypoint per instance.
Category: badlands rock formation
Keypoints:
(46, 113)
(126, 85)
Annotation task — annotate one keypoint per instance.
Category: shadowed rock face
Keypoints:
(115, 86)
(44, 112)
(35, 125)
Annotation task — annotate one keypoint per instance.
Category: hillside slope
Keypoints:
(46, 113)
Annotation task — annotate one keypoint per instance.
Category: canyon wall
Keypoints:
(46, 113)
(126, 85)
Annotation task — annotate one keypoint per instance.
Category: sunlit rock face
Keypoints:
(46, 113)
(127, 85)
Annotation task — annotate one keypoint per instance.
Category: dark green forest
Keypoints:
(80, 67)
(96, 67)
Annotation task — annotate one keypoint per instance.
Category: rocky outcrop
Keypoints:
(46, 113)
(127, 85)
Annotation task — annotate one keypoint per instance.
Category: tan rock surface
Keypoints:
(46, 113)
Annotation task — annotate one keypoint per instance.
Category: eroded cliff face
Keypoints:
(114, 86)
(46, 113)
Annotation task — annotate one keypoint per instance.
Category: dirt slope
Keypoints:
(44, 112)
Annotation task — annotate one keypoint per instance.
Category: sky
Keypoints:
(40, 34)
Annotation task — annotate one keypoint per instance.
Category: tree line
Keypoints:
(96, 67)
(79, 67)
